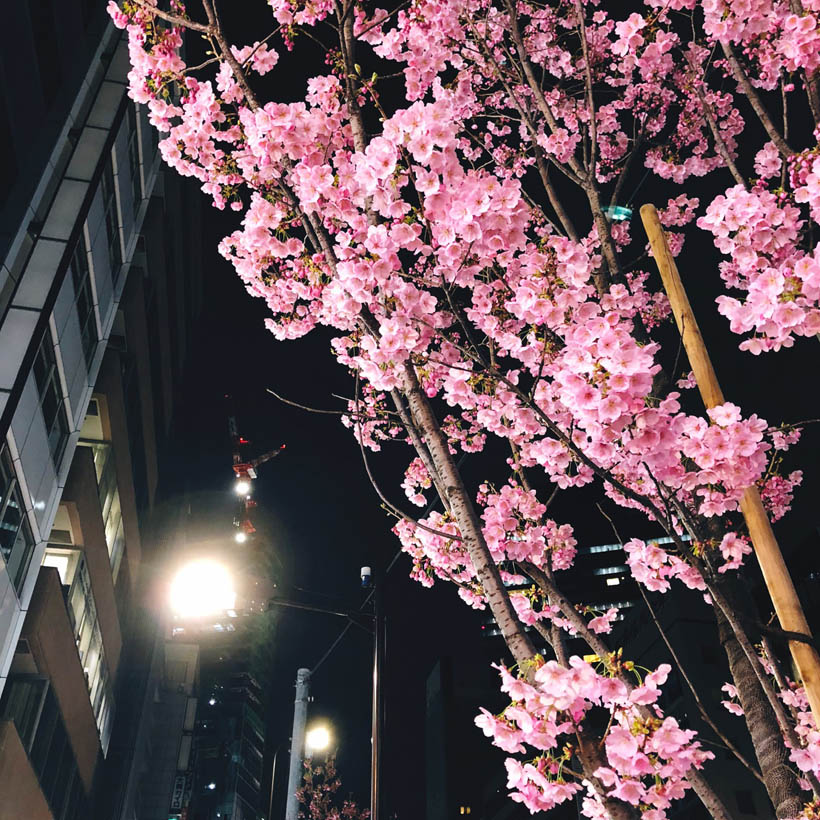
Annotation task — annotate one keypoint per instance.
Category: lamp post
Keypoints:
(317, 739)
(297, 742)
(377, 710)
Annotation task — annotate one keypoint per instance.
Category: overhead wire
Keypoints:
(369, 596)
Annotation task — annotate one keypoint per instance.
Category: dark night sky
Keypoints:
(319, 518)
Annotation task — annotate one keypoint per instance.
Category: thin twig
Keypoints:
(698, 702)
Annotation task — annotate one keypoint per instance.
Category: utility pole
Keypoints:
(377, 708)
(377, 714)
(297, 742)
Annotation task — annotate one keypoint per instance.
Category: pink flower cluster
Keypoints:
(781, 282)
(807, 757)
(516, 530)
(653, 566)
(416, 480)
(648, 754)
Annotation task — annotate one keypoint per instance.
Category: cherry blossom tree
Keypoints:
(447, 196)
(319, 798)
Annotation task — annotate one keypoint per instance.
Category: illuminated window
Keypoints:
(109, 503)
(64, 561)
(87, 635)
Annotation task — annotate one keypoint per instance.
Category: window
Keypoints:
(30, 702)
(134, 158)
(84, 300)
(51, 399)
(112, 223)
(22, 703)
(64, 560)
(83, 615)
(16, 539)
(106, 470)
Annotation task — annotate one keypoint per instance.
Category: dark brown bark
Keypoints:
(772, 755)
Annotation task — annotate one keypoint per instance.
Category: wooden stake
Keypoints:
(775, 573)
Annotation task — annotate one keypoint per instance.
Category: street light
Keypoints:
(317, 739)
(202, 588)
(240, 537)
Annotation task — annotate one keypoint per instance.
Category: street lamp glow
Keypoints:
(242, 486)
(317, 739)
(240, 537)
(202, 588)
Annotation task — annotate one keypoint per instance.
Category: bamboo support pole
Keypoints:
(773, 567)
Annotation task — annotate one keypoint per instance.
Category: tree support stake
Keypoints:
(770, 558)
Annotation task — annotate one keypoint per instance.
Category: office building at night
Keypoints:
(99, 287)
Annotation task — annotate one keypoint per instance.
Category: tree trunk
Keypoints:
(770, 750)
(592, 758)
(464, 514)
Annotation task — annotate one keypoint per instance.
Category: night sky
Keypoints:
(319, 518)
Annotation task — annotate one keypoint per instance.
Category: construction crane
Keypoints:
(244, 474)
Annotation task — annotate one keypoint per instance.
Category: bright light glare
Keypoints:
(242, 487)
(202, 588)
(240, 537)
(317, 738)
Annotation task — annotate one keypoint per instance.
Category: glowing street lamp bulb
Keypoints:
(317, 738)
(202, 588)
(240, 537)
(242, 486)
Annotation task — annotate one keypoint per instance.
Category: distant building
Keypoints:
(599, 578)
(99, 289)
(229, 741)
(465, 778)
(166, 783)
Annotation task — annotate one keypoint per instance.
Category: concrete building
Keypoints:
(99, 288)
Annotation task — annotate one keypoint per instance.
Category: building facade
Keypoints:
(229, 741)
(99, 288)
